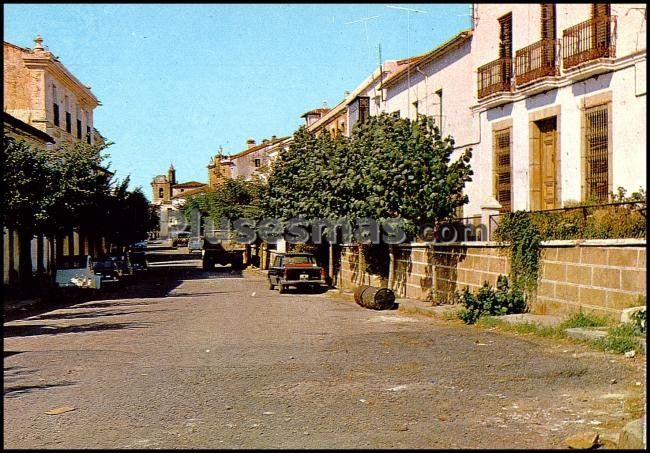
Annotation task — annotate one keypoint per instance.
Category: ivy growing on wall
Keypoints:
(524, 238)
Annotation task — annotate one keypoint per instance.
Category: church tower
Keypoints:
(161, 190)
(171, 175)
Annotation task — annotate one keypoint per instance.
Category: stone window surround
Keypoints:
(588, 102)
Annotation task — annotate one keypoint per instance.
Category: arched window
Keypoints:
(160, 192)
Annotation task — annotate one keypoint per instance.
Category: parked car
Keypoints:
(195, 245)
(137, 258)
(296, 269)
(106, 268)
(76, 271)
(140, 245)
(123, 266)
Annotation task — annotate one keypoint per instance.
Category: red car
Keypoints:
(296, 269)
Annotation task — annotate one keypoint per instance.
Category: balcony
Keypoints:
(588, 41)
(536, 61)
(495, 77)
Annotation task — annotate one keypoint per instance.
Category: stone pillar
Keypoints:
(489, 207)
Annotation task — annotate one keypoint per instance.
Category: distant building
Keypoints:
(252, 162)
(41, 92)
(45, 105)
(169, 196)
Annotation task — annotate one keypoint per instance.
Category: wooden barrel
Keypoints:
(373, 297)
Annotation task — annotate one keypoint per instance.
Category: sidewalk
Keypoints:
(12, 306)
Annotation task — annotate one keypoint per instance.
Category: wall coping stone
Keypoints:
(631, 242)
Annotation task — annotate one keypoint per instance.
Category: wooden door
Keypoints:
(548, 151)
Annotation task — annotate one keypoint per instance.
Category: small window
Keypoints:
(161, 192)
(258, 162)
(364, 108)
(68, 122)
(439, 110)
(56, 114)
(415, 110)
(88, 136)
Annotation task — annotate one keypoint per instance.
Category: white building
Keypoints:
(561, 100)
(551, 98)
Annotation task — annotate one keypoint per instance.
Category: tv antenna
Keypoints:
(365, 27)
(408, 47)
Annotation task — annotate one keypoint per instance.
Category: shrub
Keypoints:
(581, 319)
(619, 339)
(639, 322)
(490, 301)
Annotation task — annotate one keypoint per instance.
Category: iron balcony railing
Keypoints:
(570, 222)
(589, 40)
(536, 61)
(495, 77)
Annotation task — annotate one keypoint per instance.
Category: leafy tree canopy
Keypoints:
(389, 168)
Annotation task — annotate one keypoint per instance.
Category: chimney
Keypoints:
(250, 142)
(265, 141)
(346, 94)
(39, 43)
(273, 138)
(324, 104)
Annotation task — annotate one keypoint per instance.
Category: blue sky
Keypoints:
(178, 81)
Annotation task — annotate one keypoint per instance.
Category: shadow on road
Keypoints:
(32, 330)
(154, 283)
(18, 390)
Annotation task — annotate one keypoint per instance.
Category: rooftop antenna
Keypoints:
(365, 27)
(408, 46)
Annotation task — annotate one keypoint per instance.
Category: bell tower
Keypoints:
(171, 174)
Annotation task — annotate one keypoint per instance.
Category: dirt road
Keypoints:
(193, 359)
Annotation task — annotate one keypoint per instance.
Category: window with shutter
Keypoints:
(548, 21)
(505, 36)
(600, 34)
(600, 9)
(503, 169)
(597, 153)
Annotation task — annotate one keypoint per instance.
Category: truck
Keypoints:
(180, 238)
(222, 248)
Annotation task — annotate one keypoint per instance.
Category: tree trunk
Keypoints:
(25, 259)
(40, 255)
(59, 247)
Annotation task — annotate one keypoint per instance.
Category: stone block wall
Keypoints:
(594, 275)
(603, 276)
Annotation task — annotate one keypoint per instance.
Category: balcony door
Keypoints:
(545, 165)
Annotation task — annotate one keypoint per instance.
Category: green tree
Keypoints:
(390, 168)
(235, 198)
(30, 193)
